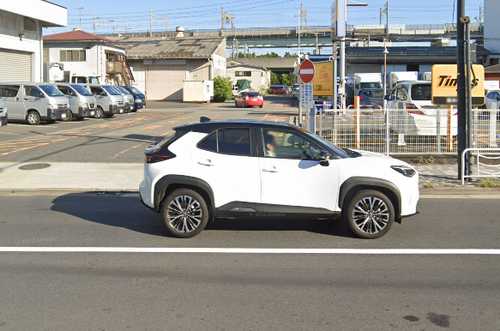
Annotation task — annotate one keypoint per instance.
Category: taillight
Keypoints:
(247, 97)
(158, 156)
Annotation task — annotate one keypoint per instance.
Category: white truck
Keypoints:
(399, 76)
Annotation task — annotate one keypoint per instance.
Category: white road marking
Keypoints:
(215, 250)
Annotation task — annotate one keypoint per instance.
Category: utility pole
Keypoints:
(464, 104)
(80, 12)
(221, 32)
(150, 23)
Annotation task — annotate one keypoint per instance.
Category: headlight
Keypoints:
(138, 100)
(404, 170)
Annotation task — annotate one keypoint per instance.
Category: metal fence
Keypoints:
(419, 132)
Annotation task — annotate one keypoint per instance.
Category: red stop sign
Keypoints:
(306, 71)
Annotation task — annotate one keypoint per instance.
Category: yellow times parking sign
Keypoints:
(444, 84)
(323, 79)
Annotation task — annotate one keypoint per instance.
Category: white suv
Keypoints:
(239, 168)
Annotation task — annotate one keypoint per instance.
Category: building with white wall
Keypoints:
(161, 67)
(259, 77)
(21, 45)
(77, 55)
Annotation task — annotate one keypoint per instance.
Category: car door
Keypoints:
(291, 173)
(12, 95)
(33, 98)
(226, 160)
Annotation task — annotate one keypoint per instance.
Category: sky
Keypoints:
(134, 15)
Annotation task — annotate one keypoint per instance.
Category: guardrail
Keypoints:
(488, 169)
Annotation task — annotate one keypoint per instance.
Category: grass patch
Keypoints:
(489, 183)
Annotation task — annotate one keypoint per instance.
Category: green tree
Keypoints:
(222, 89)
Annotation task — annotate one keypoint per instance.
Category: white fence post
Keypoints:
(493, 128)
(387, 130)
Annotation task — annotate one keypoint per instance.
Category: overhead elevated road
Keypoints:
(315, 36)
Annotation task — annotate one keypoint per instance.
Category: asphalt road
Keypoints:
(178, 291)
(118, 139)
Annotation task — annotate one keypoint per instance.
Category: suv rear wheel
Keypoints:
(185, 213)
(369, 214)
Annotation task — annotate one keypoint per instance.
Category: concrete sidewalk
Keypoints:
(70, 176)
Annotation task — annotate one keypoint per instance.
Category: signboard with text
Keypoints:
(444, 84)
(323, 79)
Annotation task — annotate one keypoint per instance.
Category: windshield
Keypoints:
(135, 90)
(123, 90)
(82, 90)
(51, 90)
(370, 85)
(111, 90)
(339, 152)
(421, 92)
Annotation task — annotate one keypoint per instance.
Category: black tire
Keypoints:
(70, 117)
(99, 113)
(379, 217)
(33, 117)
(184, 226)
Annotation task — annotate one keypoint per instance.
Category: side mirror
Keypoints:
(324, 159)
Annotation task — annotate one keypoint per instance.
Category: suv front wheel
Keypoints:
(369, 214)
(185, 213)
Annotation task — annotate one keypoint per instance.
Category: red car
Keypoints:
(249, 99)
(279, 89)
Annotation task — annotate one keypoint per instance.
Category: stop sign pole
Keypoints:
(306, 75)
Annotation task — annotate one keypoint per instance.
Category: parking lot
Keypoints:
(118, 139)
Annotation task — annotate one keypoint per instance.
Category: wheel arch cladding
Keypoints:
(355, 184)
(171, 182)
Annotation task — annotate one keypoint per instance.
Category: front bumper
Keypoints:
(116, 109)
(59, 114)
(3, 120)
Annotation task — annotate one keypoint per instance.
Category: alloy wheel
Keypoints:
(184, 213)
(371, 215)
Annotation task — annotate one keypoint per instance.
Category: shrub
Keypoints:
(223, 88)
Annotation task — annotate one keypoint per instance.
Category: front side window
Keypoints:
(284, 144)
(421, 92)
(98, 91)
(32, 91)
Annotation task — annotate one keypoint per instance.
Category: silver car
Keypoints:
(128, 97)
(34, 102)
(82, 102)
(109, 101)
(3, 112)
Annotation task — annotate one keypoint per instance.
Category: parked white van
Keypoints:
(109, 100)
(34, 102)
(81, 101)
(3, 113)
(413, 113)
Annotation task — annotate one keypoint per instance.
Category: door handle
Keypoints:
(271, 171)
(206, 163)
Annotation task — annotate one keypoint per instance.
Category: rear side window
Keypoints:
(9, 91)
(210, 143)
(235, 142)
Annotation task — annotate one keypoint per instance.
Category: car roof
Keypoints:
(209, 126)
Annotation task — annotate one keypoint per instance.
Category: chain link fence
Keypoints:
(418, 131)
